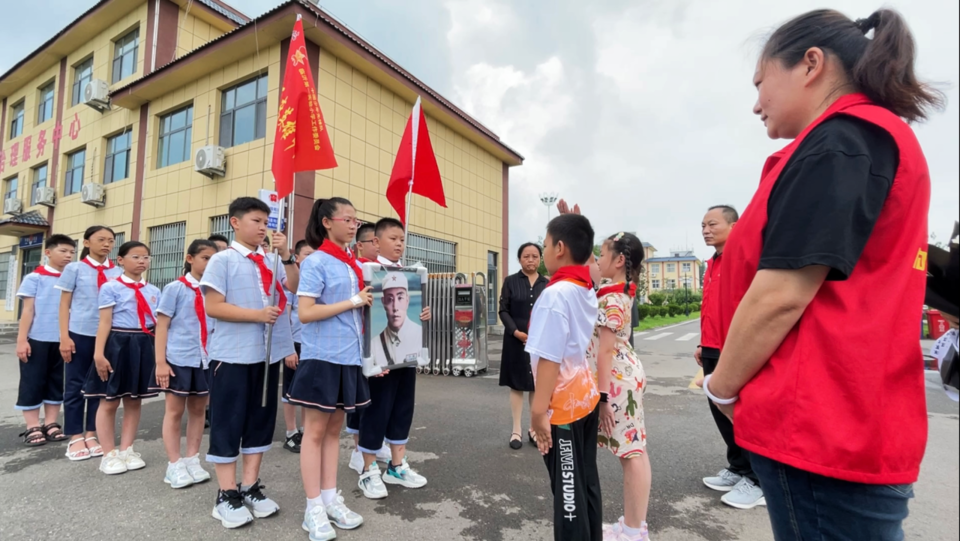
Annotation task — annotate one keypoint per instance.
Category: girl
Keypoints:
(328, 381)
(80, 285)
(123, 356)
(621, 380)
(182, 365)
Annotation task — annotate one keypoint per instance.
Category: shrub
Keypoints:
(674, 309)
(644, 310)
(657, 299)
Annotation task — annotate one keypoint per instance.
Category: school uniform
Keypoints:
(41, 377)
(129, 348)
(239, 423)
(187, 338)
(330, 374)
(293, 304)
(83, 279)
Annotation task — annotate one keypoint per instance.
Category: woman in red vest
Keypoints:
(824, 282)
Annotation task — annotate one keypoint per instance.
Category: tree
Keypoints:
(703, 272)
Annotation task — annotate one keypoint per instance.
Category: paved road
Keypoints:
(479, 489)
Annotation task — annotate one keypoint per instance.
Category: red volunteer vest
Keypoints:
(844, 394)
(710, 326)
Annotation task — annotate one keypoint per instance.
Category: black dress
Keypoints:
(516, 303)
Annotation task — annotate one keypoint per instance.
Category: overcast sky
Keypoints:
(638, 110)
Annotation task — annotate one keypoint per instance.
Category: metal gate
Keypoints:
(456, 335)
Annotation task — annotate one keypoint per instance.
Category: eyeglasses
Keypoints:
(139, 258)
(347, 220)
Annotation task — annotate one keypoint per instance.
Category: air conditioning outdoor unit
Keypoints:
(12, 206)
(45, 196)
(210, 161)
(96, 94)
(93, 195)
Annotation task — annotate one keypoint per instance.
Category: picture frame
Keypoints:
(393, 335)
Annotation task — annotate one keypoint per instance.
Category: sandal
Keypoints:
(516, 444)
(77, 456)
(33, 437)
(53, 432)
(96, 450)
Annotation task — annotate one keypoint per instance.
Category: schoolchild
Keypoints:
(294, 434)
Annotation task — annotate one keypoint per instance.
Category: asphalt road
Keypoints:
(478, 488)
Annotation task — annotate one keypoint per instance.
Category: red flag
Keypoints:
(415, 168)
(301, 143)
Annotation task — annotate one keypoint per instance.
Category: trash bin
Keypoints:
(938, 325)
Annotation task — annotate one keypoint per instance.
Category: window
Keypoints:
(687, 282)
(176, 129)
(117, 163)
(671, 267)
(74, 176)
(220, 225)
(435, 254)
(39, 181)
(655, 268)
(10, 188)
(125, 56)
(671, 284)
(655, 284)
(166, 251)
(243, 113)
(45, 104)
(686, 267)
(118, 239)
(16, 125)
(4, 272)
(82, 74)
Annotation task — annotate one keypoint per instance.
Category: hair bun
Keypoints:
(868, 24)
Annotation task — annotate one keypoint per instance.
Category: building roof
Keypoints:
(23, 224)
(675, 256)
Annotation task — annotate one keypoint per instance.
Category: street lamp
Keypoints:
(686, 294)
(549, 199)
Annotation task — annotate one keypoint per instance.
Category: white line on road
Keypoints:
(659, 336)
(688, 337)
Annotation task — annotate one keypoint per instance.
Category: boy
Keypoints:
(294, 435)
(38, 345)
(390, 415)
(565, 411)
(222, 242)
(367, 247)
(235, 287)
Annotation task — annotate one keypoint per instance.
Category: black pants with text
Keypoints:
(738, 459)
(574, 480)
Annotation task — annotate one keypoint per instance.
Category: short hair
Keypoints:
(59, 240)
(526, 245)
(365, 228)
(730, 214)
(387, 223)
(299, 246)
(576, 233)
(241, 206)
(218, 238)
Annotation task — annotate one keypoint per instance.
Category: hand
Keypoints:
(540, 423)
(425, 314)
(607, 422)
(280, 244)
(726, 410)
(564, 208)
(381, 374)
(292, 361)
(164, 373)
(67, 348)
(366, 297)
(521, 336)
(103, 367)
(698, 355)
(23, 350)
(269, 315)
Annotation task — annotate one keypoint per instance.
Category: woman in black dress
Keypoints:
(520, 291)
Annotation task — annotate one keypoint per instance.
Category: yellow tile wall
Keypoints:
(193, 32)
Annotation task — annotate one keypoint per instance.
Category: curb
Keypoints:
(667, 327)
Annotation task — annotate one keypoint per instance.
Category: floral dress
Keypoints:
(627, 382)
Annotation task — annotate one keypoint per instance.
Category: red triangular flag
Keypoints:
(415, 168)
(301, 143)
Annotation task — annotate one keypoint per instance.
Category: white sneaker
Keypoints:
(112, 463)
(356, 461)
(177, 475)
(404, 476)
(746, 495)
(723, 482)
(385, 454)
(132, 459)
(341, 516)
(371, 484)
(316, 523)
(195, 469)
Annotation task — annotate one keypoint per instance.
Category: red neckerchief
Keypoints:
(345, 256)
(101, 276)
(266, 275)
(143, 309)
(363, 260)
(577, 274)
(42, 271)
(198, 307)
(617, 288)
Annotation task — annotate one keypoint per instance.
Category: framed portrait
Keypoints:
(393, 336)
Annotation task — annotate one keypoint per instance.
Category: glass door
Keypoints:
(31, 260)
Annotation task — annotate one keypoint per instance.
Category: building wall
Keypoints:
(193, 32)
(678, 273)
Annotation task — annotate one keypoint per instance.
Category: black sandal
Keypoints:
(516, 444)
(533, 438)
(33, 437)
(53, 432)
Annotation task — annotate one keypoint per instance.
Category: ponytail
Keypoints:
(322, 208)
(84, 253)
(195, 248)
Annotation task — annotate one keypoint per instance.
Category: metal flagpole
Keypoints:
(272, 296)
(415, 130)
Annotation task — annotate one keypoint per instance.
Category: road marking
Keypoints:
(688, 337)
(693, 384)
(659, 336)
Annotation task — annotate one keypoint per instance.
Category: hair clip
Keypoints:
(618, 237)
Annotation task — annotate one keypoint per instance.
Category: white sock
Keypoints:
(631, 532)
(328, 496)
(175, 463)
(314, 502)
(290, 433)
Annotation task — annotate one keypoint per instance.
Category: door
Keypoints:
(31, 260)
(493, 279)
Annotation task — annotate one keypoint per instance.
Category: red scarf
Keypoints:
(101, 276)
(345, 256)
(143, 309)
(198, 307)
(266, 275)
(363, 260)
(577, 274)
(42, 271)
(617, 288)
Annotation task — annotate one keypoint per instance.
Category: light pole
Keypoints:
(549, 199)
(686, 294)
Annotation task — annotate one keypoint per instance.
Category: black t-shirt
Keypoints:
(828, 198)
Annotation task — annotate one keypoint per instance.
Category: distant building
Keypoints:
(678, 270)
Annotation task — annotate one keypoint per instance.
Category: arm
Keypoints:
(509, 325)
(292, 272)
(67, 347)
(164, 373)
(217, 307)
(311, 311)
(26, 321)
(103, 331)
(608, 348)
(547, 374)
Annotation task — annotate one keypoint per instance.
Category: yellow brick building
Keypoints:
(181, 75)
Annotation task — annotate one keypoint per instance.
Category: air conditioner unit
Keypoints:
(45, 196)
(93, 195)
(210, 160)
(12, 206)
(96, 94)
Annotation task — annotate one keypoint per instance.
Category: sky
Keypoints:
(640, 111)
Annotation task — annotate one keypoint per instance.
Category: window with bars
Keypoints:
(39, 181)
(166, 253)
(243, 112)
(220, 225)
(118, 239)
(116, 165)
(73, 179)
(4, 272)
(176, 129)
(435, 254)
(16, 125)
(82, 74)
(45, 104)
(125, 56)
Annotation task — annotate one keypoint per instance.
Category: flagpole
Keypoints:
(415, 130)
(272, 295)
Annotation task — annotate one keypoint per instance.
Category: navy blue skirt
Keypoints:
(130, 354)
(185, 381)
(328, 387)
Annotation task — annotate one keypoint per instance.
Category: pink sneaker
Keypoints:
(615, 533)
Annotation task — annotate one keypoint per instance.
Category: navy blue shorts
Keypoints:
(328, 387)
(238, 421)
(186, 381)
(41, 377)
(288, 376)
(130, 354)
(353, 422)
(390, 414)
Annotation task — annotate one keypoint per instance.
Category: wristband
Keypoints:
(356, 300)
(714, 399)
(604, 397)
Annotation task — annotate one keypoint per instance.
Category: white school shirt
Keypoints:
(45, 326)
(184, 346)
(81, 280)
(123, 300)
